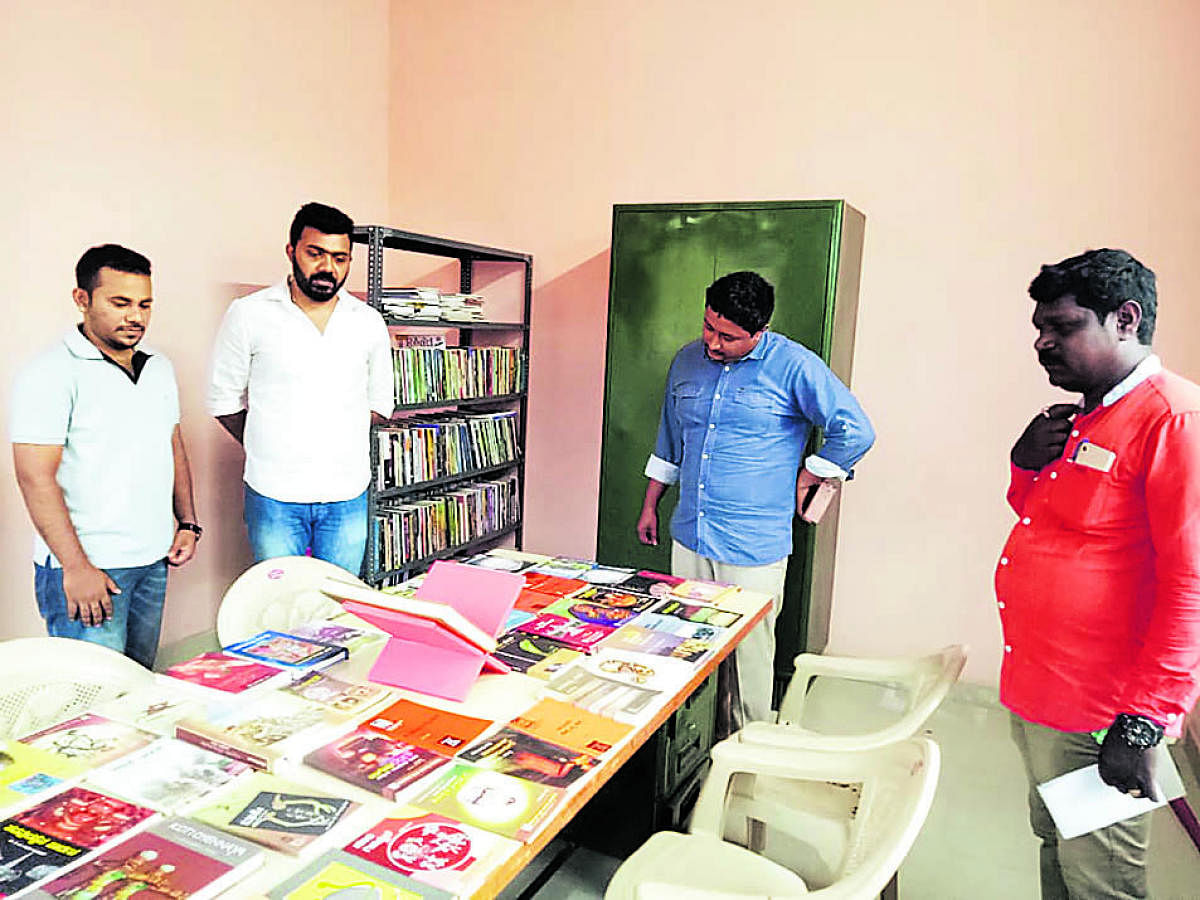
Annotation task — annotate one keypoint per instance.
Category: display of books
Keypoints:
(643, 636)
(287, 651)
(592, 612)
(174, 858)
(564, 567)
(36, 843)
(432, 374)
(698, 613)
(521, 651)
(262, 731)
(230, 674)
(511, 807)
(428, 727)
(423, 448)
(571, 727)
(619, 684)
(85, 742)
(338, 874)
(154, 708)
(432, 849)
(167, 775)
(353, 637)
(373, 761)
(573, 633)
(283, 815)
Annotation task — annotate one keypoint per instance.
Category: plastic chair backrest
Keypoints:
(277, 594)
(46, 680)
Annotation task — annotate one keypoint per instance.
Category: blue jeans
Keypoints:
(335, 532)
(137, 611)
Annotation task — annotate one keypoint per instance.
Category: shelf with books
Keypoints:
(486, 356)
(479, 543)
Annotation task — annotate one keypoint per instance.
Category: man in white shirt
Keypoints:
(300, 371)
(101, 464)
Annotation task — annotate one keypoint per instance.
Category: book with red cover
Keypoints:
(227, 673)
(374, 761)
(443, 732)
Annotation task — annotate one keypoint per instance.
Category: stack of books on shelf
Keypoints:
(423, 448)
(411, 302)
(407, 532)
(462, 307)
(427, 371)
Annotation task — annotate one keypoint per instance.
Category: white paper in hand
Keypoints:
(1079, 802)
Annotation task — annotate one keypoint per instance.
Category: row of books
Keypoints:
(429, 374)
(410, 531)
(423, 448)
(430, 303)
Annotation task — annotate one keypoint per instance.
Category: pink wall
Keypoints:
(980, 140)
(191, 131)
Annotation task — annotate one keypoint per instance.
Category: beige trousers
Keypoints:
(746, 679)
(1107, 864)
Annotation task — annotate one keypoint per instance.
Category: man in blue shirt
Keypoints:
(739, 405)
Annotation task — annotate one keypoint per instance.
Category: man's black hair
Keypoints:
(325, 219)
(108, 256)
(1101, 280)
(744, 298)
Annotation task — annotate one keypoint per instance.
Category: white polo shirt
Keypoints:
(308, 394)
(118, 470)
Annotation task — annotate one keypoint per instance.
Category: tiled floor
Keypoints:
(976, 844)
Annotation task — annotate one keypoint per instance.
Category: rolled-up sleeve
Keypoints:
(380, 374)
(663, 464)
(828, 403)
(229, 377)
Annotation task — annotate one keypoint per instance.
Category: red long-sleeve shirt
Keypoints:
(1098, 586)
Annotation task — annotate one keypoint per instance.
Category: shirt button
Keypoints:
(1053, 475)
(704, 456)
(711, 425)
(1004, 560)
(716, 396)
(1008, 648)
(1075, 433)
(1026, 520)
(727, 368)
(1000, 603)
(700, 514)
(701, 485)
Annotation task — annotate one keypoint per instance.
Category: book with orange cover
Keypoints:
(427, 727)
(571, 727)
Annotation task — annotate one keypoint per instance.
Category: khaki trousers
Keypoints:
(746, 679)
(1109, 862)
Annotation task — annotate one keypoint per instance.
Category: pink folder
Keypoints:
(424, 656)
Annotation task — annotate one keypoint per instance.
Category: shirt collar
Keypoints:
(80, 346)
(1147, 368)
(759, 351)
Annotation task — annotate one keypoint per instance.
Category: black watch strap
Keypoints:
(192, 527)
(1141, 732)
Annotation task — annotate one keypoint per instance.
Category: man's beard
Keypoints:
(320, 288)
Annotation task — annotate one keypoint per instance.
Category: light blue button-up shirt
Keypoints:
(733, 434)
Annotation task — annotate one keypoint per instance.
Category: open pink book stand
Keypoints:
(426, 656)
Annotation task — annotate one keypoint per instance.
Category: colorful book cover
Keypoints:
(665, 636)
(352, 637)
(521, 651)
(38, 842)
(223, 672)
(88, 741)
(588, 612)
(568, 726)
(705, 591)
(427, 727)
(580, 635)
(154, 708)
(370, 760)
(262, 731)
(167, 774)
(554, 585)
(518, 617)
(564, 567)
(341, 699)
(432, 849)
(511, 807)
(605, 575)
(276, 813)
(27, 773)
(614, 598)
(521, 755)
(532, 601)
(277, 648)
(619, 685)
(551, 665)
(175, 858)
(698, 613)
(656, 584)
(338, 875)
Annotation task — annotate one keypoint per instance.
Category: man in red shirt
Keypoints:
(1098, 585)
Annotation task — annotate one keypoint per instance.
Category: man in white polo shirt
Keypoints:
(300, 370)
(102, 466)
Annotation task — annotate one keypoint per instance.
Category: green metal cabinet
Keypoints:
(663, 258)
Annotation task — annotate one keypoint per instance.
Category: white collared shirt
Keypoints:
(117, 471)
(308, 394)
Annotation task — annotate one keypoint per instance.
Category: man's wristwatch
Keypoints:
(1138, 731)
(192, 527)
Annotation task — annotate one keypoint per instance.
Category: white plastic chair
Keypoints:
(277, 594)
(905, 692)
(45, 680)
(864, 810)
